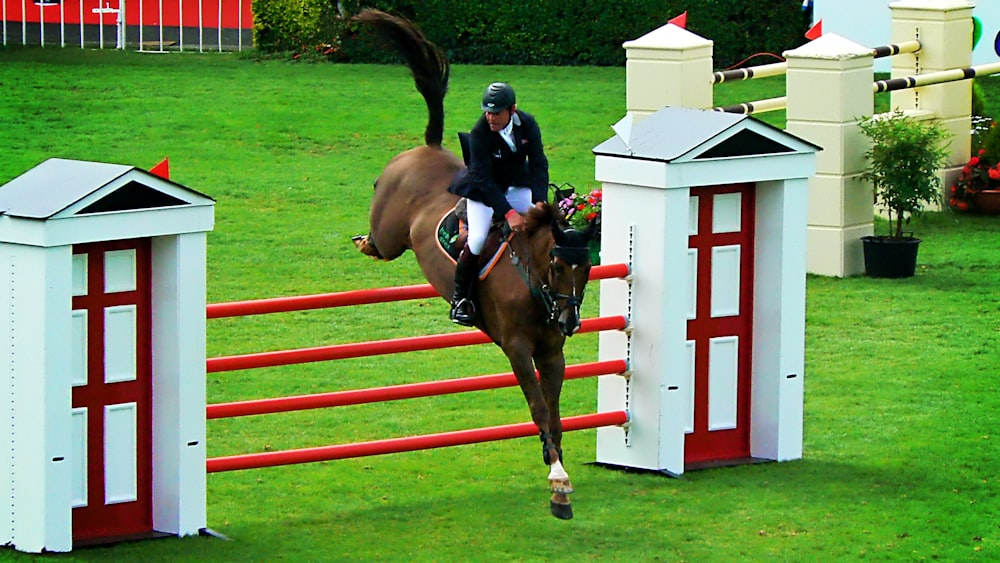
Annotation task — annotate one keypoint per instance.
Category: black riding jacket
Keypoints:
(494, 167)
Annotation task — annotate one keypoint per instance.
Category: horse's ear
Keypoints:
(557, 233)
(592, 227)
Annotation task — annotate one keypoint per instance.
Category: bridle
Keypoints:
(542, 289)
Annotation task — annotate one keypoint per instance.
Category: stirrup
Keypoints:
(463, 312)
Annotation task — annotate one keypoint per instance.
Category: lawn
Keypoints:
(900, 451)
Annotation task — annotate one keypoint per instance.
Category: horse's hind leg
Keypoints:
(366, 246)
(552, 369)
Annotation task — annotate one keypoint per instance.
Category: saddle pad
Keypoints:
(451, 235)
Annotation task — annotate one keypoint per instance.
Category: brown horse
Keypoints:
(530, 302)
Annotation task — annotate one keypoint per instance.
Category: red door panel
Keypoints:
(116, 400)
(720, 329)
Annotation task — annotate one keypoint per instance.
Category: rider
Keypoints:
(508, 172)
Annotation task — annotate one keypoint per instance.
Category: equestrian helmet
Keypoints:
(498, 97)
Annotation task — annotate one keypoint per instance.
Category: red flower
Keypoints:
(581, 209)
(974, 161)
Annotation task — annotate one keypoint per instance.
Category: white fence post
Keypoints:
(829, 84)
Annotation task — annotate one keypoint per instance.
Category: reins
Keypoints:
(533, 280)
(539, 290)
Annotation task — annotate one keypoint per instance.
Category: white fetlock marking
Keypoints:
(557, 473)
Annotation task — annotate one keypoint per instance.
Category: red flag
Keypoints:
(815, 31)
(680, 21)
(162, 169)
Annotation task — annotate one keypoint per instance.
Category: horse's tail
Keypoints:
(426, 61)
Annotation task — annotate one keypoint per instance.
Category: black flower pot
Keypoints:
(890, 258)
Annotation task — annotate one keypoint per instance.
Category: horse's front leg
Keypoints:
(542, 416)
(551, 370)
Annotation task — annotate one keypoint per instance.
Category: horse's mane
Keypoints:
(543, 217)
(426, 62)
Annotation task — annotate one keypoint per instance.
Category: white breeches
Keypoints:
(480, 216)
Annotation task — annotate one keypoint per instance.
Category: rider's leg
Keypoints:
(463, 311)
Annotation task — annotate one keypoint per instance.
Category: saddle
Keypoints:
(452, 233)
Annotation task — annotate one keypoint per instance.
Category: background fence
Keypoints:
(147, 25)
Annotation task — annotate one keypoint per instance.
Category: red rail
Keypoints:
(397, 392)
(358, 297)
(407, 444)
(379, 347)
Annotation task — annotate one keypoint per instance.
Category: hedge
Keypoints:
(544, 32)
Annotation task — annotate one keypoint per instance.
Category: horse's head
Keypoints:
(568, 271)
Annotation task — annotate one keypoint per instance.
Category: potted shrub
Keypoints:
(977, 187)
(903, 161)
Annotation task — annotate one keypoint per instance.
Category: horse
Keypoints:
(530, 301)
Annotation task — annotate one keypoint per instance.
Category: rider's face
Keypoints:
(499, 120)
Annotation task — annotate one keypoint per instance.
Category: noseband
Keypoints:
(574, 256)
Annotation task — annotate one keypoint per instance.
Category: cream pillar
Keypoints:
(829, 84)
(944, 28)
(668, 66)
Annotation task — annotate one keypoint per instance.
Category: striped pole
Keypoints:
(397, 392)
(407, 444)
(777, 69)
(950, 75)
(757, 106)
(890, 85)
(749, 73)
(896, 49)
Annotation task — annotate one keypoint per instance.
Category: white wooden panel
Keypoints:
(119, 343)
(693, 215)
(723, 367)
(120, 457)
(692, 282)
(79, 274)
(119, 270)
(78, 348)
(78, 463)
(726, 213)
(689, 425)
(725, 281)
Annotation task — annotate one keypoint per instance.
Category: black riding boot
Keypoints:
(463, 311)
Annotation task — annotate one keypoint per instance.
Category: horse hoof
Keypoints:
(561, 511)
(364, 245)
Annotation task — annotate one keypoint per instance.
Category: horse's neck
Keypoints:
(541, 245)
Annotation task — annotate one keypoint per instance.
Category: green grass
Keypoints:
(900, 450)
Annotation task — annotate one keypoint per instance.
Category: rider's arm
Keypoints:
(538, 164)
